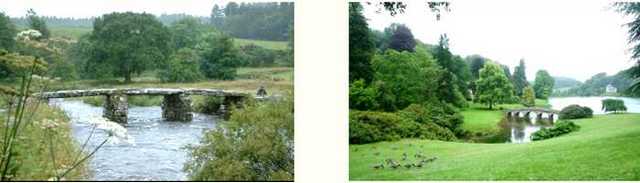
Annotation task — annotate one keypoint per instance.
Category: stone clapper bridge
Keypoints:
(176, 105)
(539, 113)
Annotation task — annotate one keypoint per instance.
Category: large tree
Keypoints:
(217, 16)
(402, 39)
(7, 33)
(361, 46)
(543, 85)
(493, 87)
(130, 43)
(453, 81)
(633, 9)
(520, 78)
(37, 23)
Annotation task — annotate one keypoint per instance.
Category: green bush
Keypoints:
(207, 104)
(560, 128)
(416, 121)
(362, 97)
(444, 116)
(613, 105)
(256, 144)
(256, 56)
(576, 112)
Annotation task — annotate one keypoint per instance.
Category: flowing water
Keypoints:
(156, 153)
(519, 130)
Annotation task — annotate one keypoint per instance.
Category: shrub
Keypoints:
(576, 112)
(362, 97)
(256, 144)
(183, 66)
(614, 105)
(207, 104)
(560, 128)
(370, 126)
(256, 56)
(443, 115)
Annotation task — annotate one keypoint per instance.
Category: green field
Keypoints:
(274, 45)
(605, 148)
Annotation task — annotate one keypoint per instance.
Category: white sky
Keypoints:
(567, 38)
(94, 8)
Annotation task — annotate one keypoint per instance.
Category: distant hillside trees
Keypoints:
(565, 82)
(264, 21)
(596, 85)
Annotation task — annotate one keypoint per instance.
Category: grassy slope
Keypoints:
(34, 156)
(605, 148)
(477, 118)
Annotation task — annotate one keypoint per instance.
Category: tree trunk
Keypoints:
(490, 105)
(127, 78)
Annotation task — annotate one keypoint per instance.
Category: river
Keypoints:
(157, 152)
(520, 130)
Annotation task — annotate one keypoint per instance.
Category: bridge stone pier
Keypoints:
(176, 105)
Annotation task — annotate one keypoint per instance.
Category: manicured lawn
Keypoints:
(605, 148)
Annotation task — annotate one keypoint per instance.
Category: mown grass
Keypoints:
(33, 153)
(605, 148)
(274, 45)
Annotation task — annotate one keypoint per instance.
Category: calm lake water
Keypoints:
(519, 130)
(157, 152)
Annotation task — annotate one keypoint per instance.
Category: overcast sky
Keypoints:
(567, 38)
(92, 8)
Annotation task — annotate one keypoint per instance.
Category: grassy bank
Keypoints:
(478, 118)
(605, 148)
(33, 153)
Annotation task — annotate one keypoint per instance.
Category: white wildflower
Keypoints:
(28, 34)
(116, 132)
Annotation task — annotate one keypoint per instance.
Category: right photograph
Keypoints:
(494, 90)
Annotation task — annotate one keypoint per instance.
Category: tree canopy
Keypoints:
(493, 87)
(402, 39)
(129, 43)
(7, 33)
(543, 85)
(37, 23)
(520, 78)
(361, 46)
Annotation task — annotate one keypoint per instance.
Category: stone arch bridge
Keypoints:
(539, 113)
(176, 105)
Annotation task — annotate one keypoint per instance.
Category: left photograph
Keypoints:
(146, 90)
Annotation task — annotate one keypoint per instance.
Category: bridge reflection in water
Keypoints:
(520, 124)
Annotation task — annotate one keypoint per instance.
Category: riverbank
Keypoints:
(33, 150)
(605, 148)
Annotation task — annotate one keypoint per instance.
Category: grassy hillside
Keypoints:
(605, 148)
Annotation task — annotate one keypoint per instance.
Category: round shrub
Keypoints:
(560, 128)
(576, 112)
(370, 126)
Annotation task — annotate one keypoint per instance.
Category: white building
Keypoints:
(611, 89)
